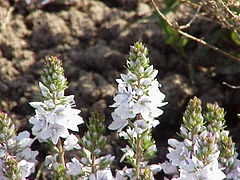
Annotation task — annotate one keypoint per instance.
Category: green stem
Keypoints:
(138, 156)
(61, 153)
(93, 164)
(138, 143)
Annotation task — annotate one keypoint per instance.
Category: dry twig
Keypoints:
(231, 86)
(177, 28)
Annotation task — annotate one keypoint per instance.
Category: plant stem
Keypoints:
(59, 144)
(138, 155)
(138, 143)
(93, 164)
(61, 153)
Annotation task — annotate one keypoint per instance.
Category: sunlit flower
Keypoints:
(74, 168)
(105, 174)
(209, 172)
(71, 142)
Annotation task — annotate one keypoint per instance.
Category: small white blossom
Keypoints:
(71, 142)
(178, 154)
(128, 152)
(105, 174)
(209, 172)
(26, 168)
(74, 168)
(124, 174)
(140, 126)
(24, 140)
(51, 162)
(155, 168)
(168, 168)
(129, 133)
(107, 158)
(27, 154)
(118, 123)
(120, 176)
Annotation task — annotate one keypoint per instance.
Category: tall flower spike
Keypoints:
(215, 116)
(138, 96)
(55, 114)
(17, 161)
(137, 102)
(92, 165)
(197, 156)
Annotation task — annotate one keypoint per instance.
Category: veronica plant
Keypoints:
(228, 156)
(205, 152)
(137, 104)
(92, 165)
(55, 114)
(17, 160)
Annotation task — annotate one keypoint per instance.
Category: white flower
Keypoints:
(124, 174)
(73, 119)
(173, 143)
(27, 154)
(53, 121)
(184, 131)
(168, 168)
(24, 140)
(140, 126)
(123, 97)
(178, 154)
(51, 162)
(152, 148)
(106, 158)
(209, 172)
(118, 123)
(105, 174)
(71, 142)
(190, 164)
(129, 133)
(128, 152)
(155, 168)
(26, 168)
(44, 90)
(74, 168)
(120, 176)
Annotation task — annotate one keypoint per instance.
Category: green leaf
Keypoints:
(235, 37)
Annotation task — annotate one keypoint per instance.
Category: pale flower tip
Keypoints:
(173, 142)
(74, 168)
(155, 168)
(113, 126)
(71, 143)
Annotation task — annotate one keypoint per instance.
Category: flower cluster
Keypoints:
(138, 93)
(137, 104)
(205, 152)
(92, 165)
(17, 160)
(55, 115)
